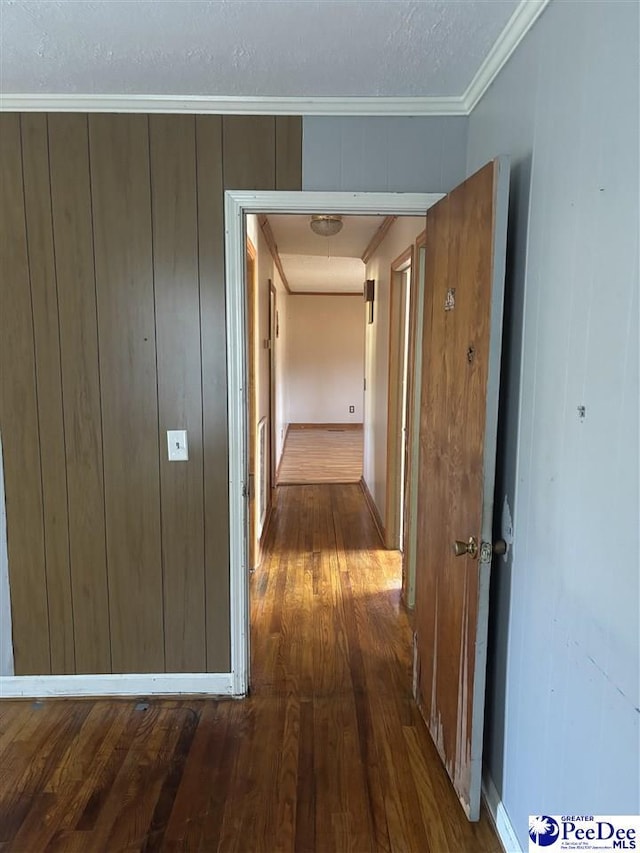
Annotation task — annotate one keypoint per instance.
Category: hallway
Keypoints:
(331, 653)
(328, 753)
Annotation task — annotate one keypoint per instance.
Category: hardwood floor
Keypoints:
(322, 455)
(327, 754)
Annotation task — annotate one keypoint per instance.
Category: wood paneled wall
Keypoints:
(112, 330)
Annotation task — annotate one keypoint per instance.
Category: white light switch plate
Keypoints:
(177, 445)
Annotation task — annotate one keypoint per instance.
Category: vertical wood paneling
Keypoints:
(113, 331)
(120, 183)
(249, 150)
(73, 240)
(214, 388)
(19, 424)
(37, 190)
(177, 292)
(288, 153)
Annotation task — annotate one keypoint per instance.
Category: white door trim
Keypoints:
(236, 204)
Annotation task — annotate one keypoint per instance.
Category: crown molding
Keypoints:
(377, 238)
(231, 106)
(519, 24)
(525, 15)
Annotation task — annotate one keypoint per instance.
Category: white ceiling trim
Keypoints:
(524, 17)
(232, 106)
(517, 27)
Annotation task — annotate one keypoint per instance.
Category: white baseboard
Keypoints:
(165, 684)
(503, 825)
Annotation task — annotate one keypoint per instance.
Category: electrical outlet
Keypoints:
(352, 410)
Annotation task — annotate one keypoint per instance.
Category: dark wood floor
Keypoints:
(328, 753)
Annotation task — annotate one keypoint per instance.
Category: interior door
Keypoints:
(465, 238)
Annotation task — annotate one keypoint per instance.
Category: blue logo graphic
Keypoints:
(543, 830)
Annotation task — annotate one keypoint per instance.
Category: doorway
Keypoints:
(237, 205)
(457, 240)
(466, 233)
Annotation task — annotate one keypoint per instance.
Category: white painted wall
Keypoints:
(563, 694)
(401, 236)
(325, 358)
(6, 642)
(384, 154)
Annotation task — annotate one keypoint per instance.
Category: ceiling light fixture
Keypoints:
(326, 224)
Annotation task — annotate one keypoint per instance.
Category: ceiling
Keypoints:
(325, 264)
(250, 48)
(293, 235)
(313, 274)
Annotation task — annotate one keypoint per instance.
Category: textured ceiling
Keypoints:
(293, 236)
(310, 273)
(317, 264)
(247, 48)
(320, 264)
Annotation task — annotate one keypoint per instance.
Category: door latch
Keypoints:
(486, 549)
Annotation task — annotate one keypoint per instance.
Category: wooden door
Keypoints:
(465, 238)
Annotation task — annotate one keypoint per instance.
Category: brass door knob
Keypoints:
(487, 551)
(469, 548)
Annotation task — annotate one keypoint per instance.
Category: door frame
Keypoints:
(416, 323)
(398, 338)
(273, 382)
(251, 274)
(237, 204)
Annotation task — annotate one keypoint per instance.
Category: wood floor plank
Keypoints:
(200, 786)
(63, 795)
(322, 455)
(125, 820)
(39, 757)
(328, 753)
